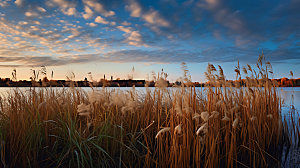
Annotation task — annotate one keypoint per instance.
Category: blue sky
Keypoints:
(110, 37)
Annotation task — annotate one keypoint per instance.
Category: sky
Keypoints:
(112, 36)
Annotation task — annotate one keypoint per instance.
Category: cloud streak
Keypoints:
(61, 32)
(156, 56)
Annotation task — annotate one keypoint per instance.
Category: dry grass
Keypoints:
(220, 126)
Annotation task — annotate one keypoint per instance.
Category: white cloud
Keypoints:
(124, 29)
(66, 7)
(135, 39)
(70, 11)
(34, 28)
(4, 3)
(23, 23)
(63, 3)
(100, 19)
(19, 2)
(31, 14)
(132, 37)
(41, 9)
(9, 28)
(152, 16)
(36, 22)
(28, 38)
(88, 13)
(134, 8)
(98, 7)
(92, 24)
(35, 12)
(17, 38)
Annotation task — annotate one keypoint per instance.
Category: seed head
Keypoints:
(166, 129)
(225, 118)
(203, 128)
(196, 115)
(235, 123)
(83, 109)
(178, 129)
(214, 114)
(205, 116)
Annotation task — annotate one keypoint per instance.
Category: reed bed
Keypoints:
(220, 125)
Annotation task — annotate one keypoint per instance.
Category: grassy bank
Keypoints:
(220, 126)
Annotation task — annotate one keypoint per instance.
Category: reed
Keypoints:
(220, 125)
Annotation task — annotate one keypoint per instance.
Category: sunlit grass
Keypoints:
(221, 125)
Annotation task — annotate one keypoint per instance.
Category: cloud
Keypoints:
(101, 20)
(223, 15)
(34, 61)
(172, 31)
(125, 29)
(92, 24)
(23, 23)
(154, 18)
(32, 38)
(133, 37)
(98, 7)
(36, 22)
(17, 38)
(88, 13)
(156, 56)
(66, 7)
(9, 28)
(31, 61)
(216, 55)
(70, 11)
(151, 16)
(19, 2)
(34, 11)
(31, 14)
(4, 3)
(41, 9)
(135, 8)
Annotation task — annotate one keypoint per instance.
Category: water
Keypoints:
(291, 98)
(291, 106)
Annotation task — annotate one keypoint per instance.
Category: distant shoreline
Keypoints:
(109, 86)
(7, 82)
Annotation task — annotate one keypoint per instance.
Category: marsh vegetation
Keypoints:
(220, 125)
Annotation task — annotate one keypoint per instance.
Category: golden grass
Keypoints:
(216, 126)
